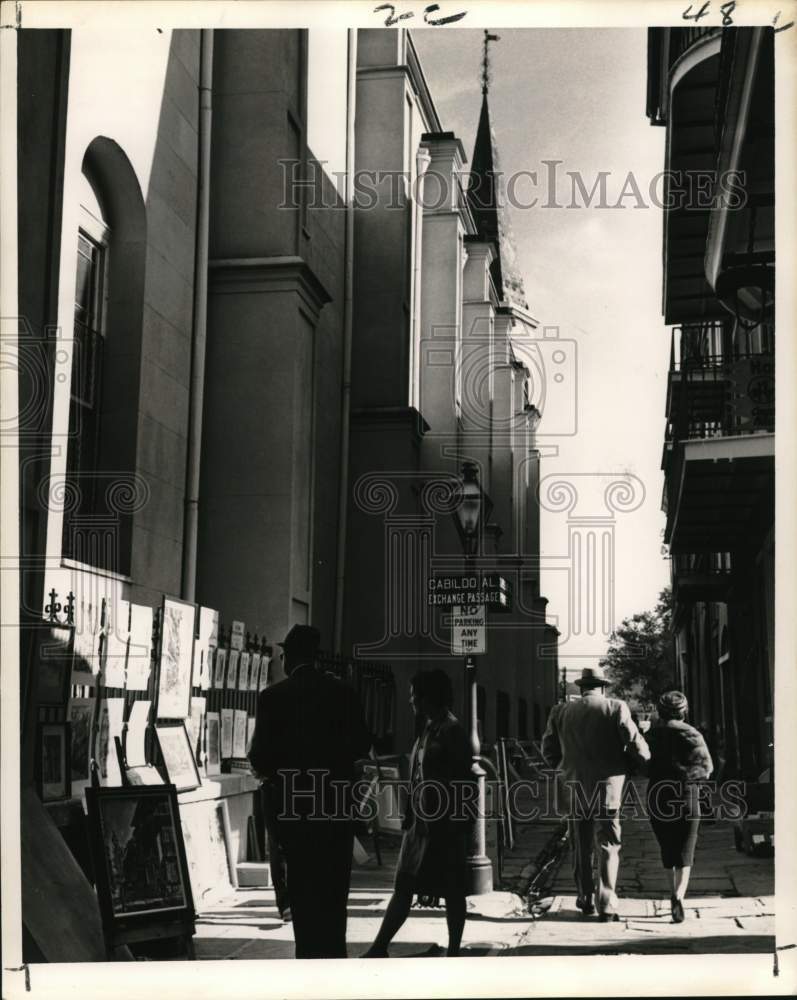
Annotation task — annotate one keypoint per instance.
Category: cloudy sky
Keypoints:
(578, 96)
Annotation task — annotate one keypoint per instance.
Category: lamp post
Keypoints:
(470, 515)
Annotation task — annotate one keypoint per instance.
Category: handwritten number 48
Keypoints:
(726, 10)
(393, 18)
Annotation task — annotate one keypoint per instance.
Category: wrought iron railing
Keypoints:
(702, 562)
(717, 396)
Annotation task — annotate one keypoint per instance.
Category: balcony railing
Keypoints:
(701, 576)
(702, 562)
(716, 395)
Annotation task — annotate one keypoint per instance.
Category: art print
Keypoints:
(139, 657)
(139, 856)
(178, 757)
(219, 668)
(80, 716)
(213, 762)
(54, 767)
(243, 671)
(176, 655)
(232, 669)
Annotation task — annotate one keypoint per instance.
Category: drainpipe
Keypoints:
(348, 289)
(199, 338)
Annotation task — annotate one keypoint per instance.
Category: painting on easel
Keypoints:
(139, 859)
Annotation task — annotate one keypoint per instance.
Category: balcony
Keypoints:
(701, 576)
(719, 450)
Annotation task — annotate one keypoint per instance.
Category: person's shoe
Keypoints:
(585, 904)
(608, 916)
(677, 910)
(286, 915)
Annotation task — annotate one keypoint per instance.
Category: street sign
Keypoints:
(487, 589)
(468, 632)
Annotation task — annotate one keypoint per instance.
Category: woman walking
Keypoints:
(432, 858)
(679, 762)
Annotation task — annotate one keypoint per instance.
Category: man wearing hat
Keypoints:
(592, 740)
(309, 731)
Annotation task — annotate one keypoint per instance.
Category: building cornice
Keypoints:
(244, 275)
(413, 74)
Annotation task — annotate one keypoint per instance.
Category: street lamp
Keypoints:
(470, 515)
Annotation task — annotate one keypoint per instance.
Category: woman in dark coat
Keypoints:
(679, 762)
(433, 856)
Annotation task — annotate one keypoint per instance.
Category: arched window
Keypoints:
(87, 356)
(106, 361)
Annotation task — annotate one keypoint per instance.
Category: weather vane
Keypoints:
(486, 59)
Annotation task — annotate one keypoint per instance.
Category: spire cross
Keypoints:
(486, 59)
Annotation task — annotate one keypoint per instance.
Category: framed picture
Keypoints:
(243, 672)
(232, 669)
(139, 653)
(53, 768)
(139, 859)
(175, 658)
(213, 762)
(110, 724)
(195, 726)
(226, 732)
(86, 664)
(80, 716)
(265, 663)
(178, 756)
(239, 734)
(254, 672)
(220, 668)
(53, 650)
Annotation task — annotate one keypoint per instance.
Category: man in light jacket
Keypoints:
(592, 741)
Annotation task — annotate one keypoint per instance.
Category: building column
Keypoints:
(256, 517)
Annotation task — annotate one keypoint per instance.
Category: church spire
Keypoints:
(487, 198)
(486, 60)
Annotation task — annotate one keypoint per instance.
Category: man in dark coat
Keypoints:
(310, 729)
(593, 741)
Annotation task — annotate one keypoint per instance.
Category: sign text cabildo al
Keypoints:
(489, 589)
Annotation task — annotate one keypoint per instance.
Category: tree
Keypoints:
(640, 660)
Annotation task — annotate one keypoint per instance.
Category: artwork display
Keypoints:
(113, 657)
(239, 734)
(195, 725)
(139, 857)
(53, 768)
(232, 669)
(52, 659)
(198, 664)
(208, 640)
(110, 725)
(243, 672)
(207, 851)
(178, 757)
(254, 671)
(139, 651)
(237, 632)
(175, 659)
(135, 745)
(80, 716)
(220, 668)
(86, 663)
(213, 759)
(265, 665)
(226, 732)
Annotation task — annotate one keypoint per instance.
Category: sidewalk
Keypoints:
(730, 908)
